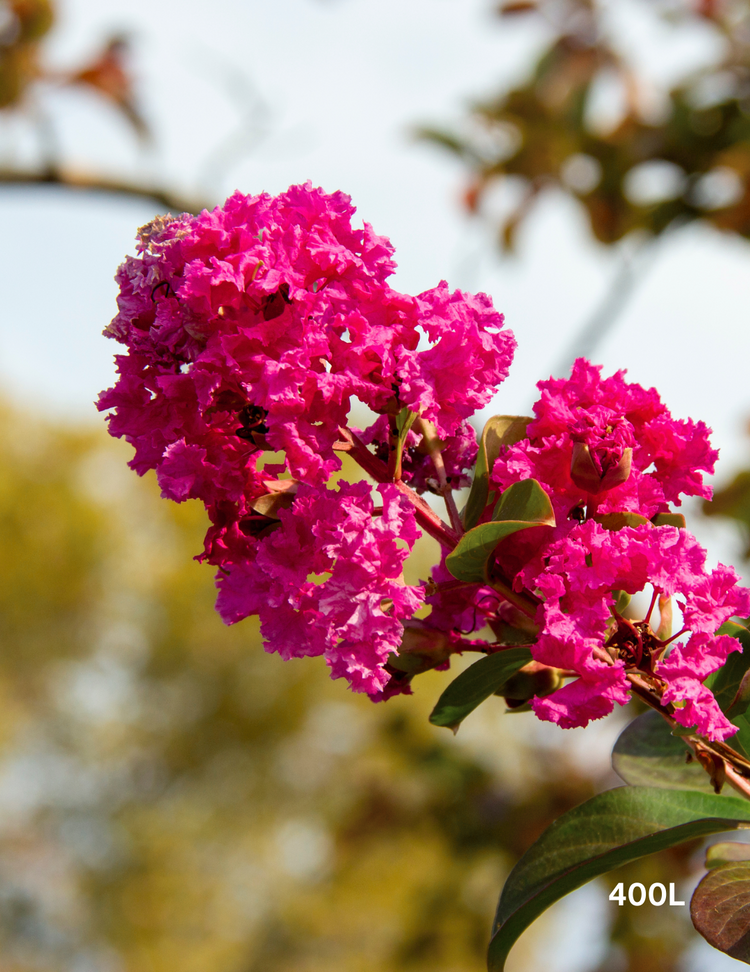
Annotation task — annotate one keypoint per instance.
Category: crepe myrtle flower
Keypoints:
(612, 459)
(275, 307)
(608, 445)
(583, 632)
(251, 330)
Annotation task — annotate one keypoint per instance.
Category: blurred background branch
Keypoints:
(25, 78)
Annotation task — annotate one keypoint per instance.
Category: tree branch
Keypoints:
(82, 182)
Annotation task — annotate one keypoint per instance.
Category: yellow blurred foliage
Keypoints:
(172, 797)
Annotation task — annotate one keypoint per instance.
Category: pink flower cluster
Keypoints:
(610, 440)
(274, 308)
(637, 459)
(250, 329)
(581, 572)
(352, 617)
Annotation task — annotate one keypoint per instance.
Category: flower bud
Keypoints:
(586, 475)
(533, 679)
(421, 650)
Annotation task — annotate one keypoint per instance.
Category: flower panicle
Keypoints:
(251, 330)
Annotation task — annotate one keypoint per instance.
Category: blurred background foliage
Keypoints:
(171, 796)
(656, 158)
(641, 159)
(26, 80)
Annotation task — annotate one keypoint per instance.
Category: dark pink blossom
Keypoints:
(587, 423)
(352, 614)
(713, 600)
(579, 575)
(251, 329)
(278, 305)
(591, 696)
(470, 357)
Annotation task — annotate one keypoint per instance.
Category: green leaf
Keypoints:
(726, 852)
(606, 832)
(741, 740)
(669, 519)
(475, 684)
(500, 430)
(404, 421)
(722, 682)
(647, 754)
(720, 909)
(521, 506)
(622, 600)
(731, 684)
(526, 502)
(616, 521)
(742, 698)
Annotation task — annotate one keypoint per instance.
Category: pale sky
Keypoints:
(341, 83)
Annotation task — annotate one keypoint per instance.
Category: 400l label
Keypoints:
(657, 895)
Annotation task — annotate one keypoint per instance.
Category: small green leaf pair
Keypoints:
(520, 507)
(500, 431)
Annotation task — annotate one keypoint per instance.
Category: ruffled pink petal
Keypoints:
(698, 708)
(578, 702)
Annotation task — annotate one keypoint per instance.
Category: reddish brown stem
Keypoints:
(455, 516)
(670, 640)
(426, 516)
(524, 605)
(737, 768)
(737, 782)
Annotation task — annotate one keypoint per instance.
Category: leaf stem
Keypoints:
(455, 516)
(432, 443)
(524, 603)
